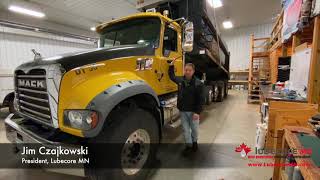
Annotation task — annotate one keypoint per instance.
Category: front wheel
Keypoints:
(133, 137)
(11, 107)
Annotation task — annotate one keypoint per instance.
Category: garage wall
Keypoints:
(16, 45)
(238, 41)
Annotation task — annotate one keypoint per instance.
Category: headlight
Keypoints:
(81, 119)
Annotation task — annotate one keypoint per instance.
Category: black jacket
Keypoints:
(190, 94)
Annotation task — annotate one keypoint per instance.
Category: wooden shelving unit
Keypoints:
(259, 67)
(309, 35)
(276, 35)
(238, 79)
(283, 112)
(314, 76)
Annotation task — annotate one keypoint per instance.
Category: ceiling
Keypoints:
(248, 12)
(87, 13)
(78, 13)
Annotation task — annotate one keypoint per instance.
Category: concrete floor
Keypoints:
(223, 126)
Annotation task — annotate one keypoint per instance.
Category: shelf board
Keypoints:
(239, 72)
(260, 54)
(238, 82)
(254, 95)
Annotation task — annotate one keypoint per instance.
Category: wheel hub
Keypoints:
(135, 152)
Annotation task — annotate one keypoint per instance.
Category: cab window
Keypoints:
(170, 41)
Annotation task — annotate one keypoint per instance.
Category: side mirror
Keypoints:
(187, 44)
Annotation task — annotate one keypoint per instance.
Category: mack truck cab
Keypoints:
(118, 93)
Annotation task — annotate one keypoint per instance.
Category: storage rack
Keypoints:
(239, 79)
(259, 67)
(308, 35)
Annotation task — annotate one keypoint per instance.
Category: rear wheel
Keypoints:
(221, 91)
(209, 95)
(215, 92)
(132, 138)
(226, 89)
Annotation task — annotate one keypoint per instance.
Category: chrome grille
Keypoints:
(33, 100)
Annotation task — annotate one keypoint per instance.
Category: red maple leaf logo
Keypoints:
(243, 147)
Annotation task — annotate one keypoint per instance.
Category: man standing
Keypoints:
(190, 102)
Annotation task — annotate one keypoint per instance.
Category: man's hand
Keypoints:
(172, 62)
(195, 116)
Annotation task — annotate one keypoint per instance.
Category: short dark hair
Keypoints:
(191, 65)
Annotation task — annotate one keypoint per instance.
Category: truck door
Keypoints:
(171, 50)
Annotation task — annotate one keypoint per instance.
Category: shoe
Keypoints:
(187, 150)
(194, 146)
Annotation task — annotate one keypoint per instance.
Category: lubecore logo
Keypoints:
(243, 149)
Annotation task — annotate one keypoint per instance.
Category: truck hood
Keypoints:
(72, 60)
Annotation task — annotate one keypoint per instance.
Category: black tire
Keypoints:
(209, 95)
(125, 121)
(11, 107)
(215, 92)
(226, 89)
(221, 92)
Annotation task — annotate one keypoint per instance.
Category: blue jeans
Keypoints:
(190, 127)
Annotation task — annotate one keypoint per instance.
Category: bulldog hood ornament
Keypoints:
(37, 56)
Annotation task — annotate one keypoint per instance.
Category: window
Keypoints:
(142, 31)
(170, 40)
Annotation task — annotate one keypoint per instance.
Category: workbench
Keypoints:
(288, 138)
(267, 95)
(284, 111)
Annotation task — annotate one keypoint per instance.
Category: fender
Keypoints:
(77, 91)
(6, 101)
(104, 102)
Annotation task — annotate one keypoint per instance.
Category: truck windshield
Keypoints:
(144, 31)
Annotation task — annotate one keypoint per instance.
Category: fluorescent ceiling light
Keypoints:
(215, 3)
(93, 28)
(227, 24)
(29, 12)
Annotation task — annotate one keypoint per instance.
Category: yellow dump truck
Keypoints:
(120, 92)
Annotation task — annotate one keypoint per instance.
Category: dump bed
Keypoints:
(210, 54)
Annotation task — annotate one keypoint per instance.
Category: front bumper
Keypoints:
(19, 135)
